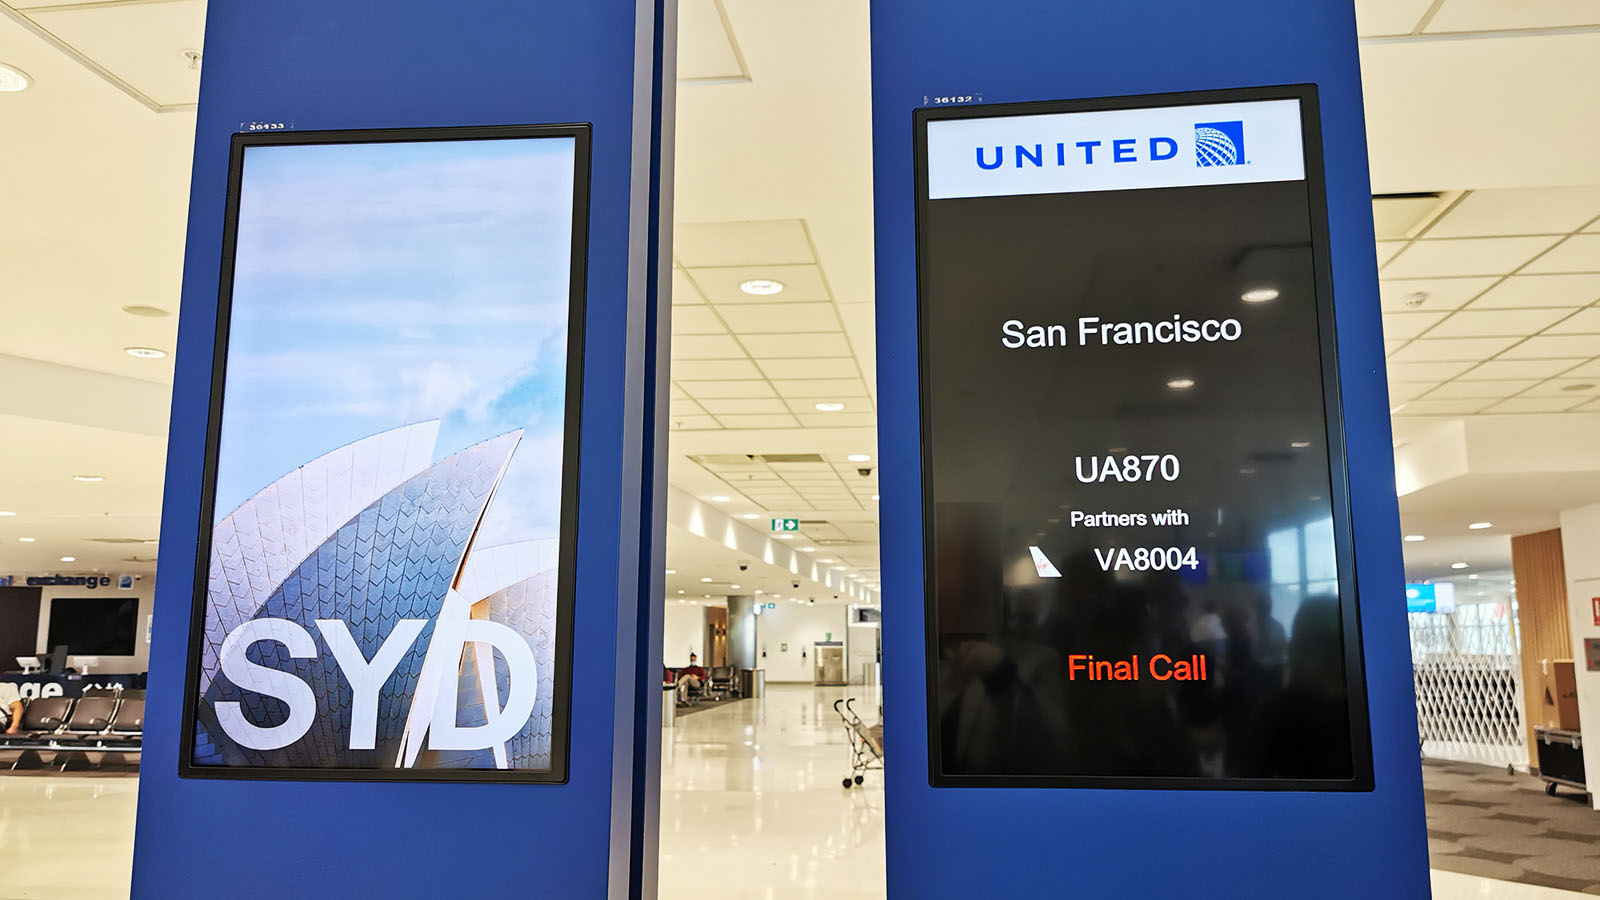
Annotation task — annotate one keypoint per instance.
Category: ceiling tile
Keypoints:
(1391, 347)
(706, 346)
(801, 284)
(1591, 406)
(1541, 290)
(1519, 368)
(1388, 249)
(779, 346)
(714, 369)
(153, 61)
(1556, 347)
(1426, 371)
(1587, 370)
(677, 393)
(822, 388)
(705, 47)
(696, 320)
(1504, 387)
(1575, 388)
(695, 423)
(1497, 15)
(1584, 321)
(765, 421)
(683, 290)
(1443, 407)
(779, 318)
(809, 368)
(1436, 293)
(678, 408)
(1465, 256)
(1532, 405)
(1398, 326)
(759, 243)
(1519, 211)
(1495, 322)
(1401, 391)
(717, 390)
(840, 420)
(722, 408)
(1466, 349)
(1579, 253)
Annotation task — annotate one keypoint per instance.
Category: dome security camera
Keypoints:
(744, 567)
(795, 585)
(812, 601)
(865, 472)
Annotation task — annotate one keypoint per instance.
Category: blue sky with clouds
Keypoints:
(381, 284)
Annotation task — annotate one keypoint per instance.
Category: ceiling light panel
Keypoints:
(1521, 291)
(1579, 253)
(1467, 256)
(770, 242)
(1519, 211)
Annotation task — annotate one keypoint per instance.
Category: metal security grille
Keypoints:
(1468, 671)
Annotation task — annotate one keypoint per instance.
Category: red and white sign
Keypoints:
(1594, 603)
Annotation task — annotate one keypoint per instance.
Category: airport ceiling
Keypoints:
(1488, 110)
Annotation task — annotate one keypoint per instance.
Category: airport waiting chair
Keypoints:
(129, 720)
(45, 715)
(721, 680)
(92, 714)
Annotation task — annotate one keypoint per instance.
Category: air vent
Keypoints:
(781, 458)
(728, 460)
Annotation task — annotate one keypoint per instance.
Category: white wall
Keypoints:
(799, 626)
(110, 665)
(1580, 547)
(683, 632)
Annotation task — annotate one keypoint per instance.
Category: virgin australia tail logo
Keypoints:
(1219, 144)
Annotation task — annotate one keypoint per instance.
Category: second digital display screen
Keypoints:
(1139, 570)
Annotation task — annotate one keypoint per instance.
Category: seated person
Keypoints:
(10, 708)
(690, 676)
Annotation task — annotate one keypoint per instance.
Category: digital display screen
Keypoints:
(384, 584)
(1138, 559)
(93, 626)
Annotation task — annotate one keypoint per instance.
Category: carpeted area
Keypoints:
(1482, 821)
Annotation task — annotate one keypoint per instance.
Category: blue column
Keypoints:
(419, 63)
(1100, 843)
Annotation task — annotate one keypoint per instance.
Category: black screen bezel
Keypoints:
(1333, 412)
(561, 682)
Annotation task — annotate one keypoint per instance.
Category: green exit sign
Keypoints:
(785, 524)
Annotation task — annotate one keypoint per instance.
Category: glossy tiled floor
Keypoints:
(751, 809)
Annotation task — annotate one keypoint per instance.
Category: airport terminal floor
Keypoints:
(751, 809)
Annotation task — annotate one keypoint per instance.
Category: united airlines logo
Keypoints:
(1219, 144)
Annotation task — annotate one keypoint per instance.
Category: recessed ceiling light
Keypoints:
(1259, 295)
(752, 515)
(1479, 526)
(761, 287)
(89, 478)
(144, 352)
(680, 592)
(859, 457)
(13, 79)
(6, 512)
(672, 571)
(27, 540)
(69, 559)
(148, 312)
(705, 581)
(829, 407)
(838, 568)
(721, 498)
(785, 537)
(707, 596)
(829, 560)
(1458, 565)
(1180, 384)
(1474, 575)
(733, 587)
(1413, 538)
(808, 549)
(1299, 445)
(874, 496)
